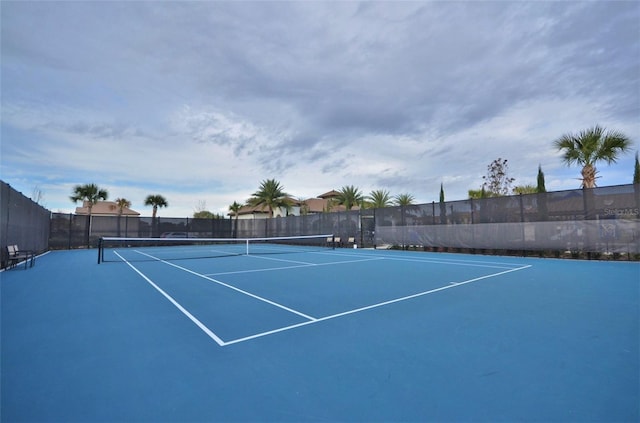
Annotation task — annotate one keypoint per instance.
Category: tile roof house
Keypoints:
(324, 203)
(105, 208)
(262, 212)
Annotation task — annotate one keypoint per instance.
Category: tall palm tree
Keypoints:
(589, 147)
(270, 195)
(379, 198)
(235, 208)
(403, 200)
(91, 194)
(155, 201)
(121, 204)
(349, 196)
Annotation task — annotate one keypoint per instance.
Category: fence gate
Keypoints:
(367, 228)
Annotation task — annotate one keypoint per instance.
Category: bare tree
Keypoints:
(37, 195)
(497, 182)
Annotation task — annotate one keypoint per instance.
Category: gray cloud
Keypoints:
(289, 89)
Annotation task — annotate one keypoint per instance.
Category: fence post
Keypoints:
(473, 211)
(70, 228)
(522, 223)
(433, 212)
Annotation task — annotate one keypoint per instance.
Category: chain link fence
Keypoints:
(600, 220)
(82, 231)
(23, 222)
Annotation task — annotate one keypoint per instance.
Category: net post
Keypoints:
(333, 241)
(247, 246)
(100, 249)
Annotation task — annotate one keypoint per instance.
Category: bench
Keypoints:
(15, 256)
(333, 241)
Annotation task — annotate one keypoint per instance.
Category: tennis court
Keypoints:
(318, 335)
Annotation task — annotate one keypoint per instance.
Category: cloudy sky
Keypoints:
(201, 101)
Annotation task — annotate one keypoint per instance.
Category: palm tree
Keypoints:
(379, 198)
(271, 195)
(589, 147)
(404, 200)
(91, 194)
(156, 201)
(349, 196)
(121, 204)
(235, 208)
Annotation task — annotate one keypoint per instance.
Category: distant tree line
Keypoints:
(585, 149)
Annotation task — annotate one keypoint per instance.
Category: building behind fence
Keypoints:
(598, 220)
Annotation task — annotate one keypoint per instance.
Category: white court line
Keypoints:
(457, 263)
(230, 287)
(358, 310)
(310, 320)
(293, 267)
(476, 263)
(176, 304)
(285, 260)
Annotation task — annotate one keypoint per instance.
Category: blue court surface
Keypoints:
(345, 335)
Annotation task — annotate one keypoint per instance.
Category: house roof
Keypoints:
(331, 194)
(246, 209)
(250, 210)
(105, 208)
(315, 205)
(319, 204)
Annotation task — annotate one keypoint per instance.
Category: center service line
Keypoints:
(290, 310)
(176, 304)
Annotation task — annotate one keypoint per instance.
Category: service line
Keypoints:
(369, 307)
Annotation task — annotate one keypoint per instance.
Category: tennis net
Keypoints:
(150, 249)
